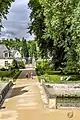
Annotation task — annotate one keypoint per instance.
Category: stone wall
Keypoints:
(4, 91)
(55, 102)
(51, 99)
(68, 102)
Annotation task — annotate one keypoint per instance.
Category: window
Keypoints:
(6, 63)
(6, 54)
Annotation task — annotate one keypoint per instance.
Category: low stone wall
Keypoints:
(4, 91)
(56, 102)
(51, 99)
(68, 102)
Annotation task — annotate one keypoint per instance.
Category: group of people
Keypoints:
(29, 75)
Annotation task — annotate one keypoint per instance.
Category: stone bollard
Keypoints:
(52, 103)
(42, 80)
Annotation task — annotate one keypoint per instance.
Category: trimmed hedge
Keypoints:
(52, 72)
(17, 74)
(5, 73)
(51, 78)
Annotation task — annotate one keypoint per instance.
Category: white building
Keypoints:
(15, 53)
(7, 56)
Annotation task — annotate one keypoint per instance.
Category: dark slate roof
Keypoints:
(13, 52)
(3, 48)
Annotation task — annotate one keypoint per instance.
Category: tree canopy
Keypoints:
(4, 7)
(56, 24)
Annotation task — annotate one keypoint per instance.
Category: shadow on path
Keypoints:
(18, 91)
(24, 72)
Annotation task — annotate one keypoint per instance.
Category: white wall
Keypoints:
(17, 55)
(2, 62)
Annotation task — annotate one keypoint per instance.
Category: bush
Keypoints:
(51, 72)
(17, 74)
(3, 69)
(41, 67)
(13, 73)
(21, 65)
(75, 78)
(39, 71)
(5, 73)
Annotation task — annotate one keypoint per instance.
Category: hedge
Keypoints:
(5, 73)
(17, 74)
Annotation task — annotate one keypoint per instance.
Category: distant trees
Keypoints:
(56, 25)
(26, 48)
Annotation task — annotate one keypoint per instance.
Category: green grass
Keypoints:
(56, 78)
(52, 78)
(6, 75)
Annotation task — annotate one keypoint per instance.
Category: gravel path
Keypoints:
(24, 102)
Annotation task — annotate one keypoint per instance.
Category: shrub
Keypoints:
(17, 74)
(41, 67)
(21, 64)
(51, 72)
(39, 71)
(3, 69)
(5, 73)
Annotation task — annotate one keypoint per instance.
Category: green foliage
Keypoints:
(52, 78)
(15, 64)
(5, 73)
(4, 6)
(56, 25)
(21, 65)
(17, 74)
(32, 46)
(41, 67)
(51, 72)
(24, 49)
(37, 24)
(75, 78)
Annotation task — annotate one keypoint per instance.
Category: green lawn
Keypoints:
(52, 78)
(6, 75)
(57, 78)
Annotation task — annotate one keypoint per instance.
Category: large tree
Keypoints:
(37, 24)
(57, 34)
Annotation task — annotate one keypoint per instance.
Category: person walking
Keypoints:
(31, 75)
(27, 75)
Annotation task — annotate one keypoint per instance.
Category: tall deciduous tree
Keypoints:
(37, 25)
(58, 35)
(24, 50)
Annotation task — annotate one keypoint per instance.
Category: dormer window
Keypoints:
(6, 55)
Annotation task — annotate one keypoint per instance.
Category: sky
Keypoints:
(17, 21)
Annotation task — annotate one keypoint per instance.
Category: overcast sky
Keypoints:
(17, 21)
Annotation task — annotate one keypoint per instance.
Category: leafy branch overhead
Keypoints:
(4, 7)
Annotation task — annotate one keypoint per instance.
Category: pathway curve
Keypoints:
(25, 103)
